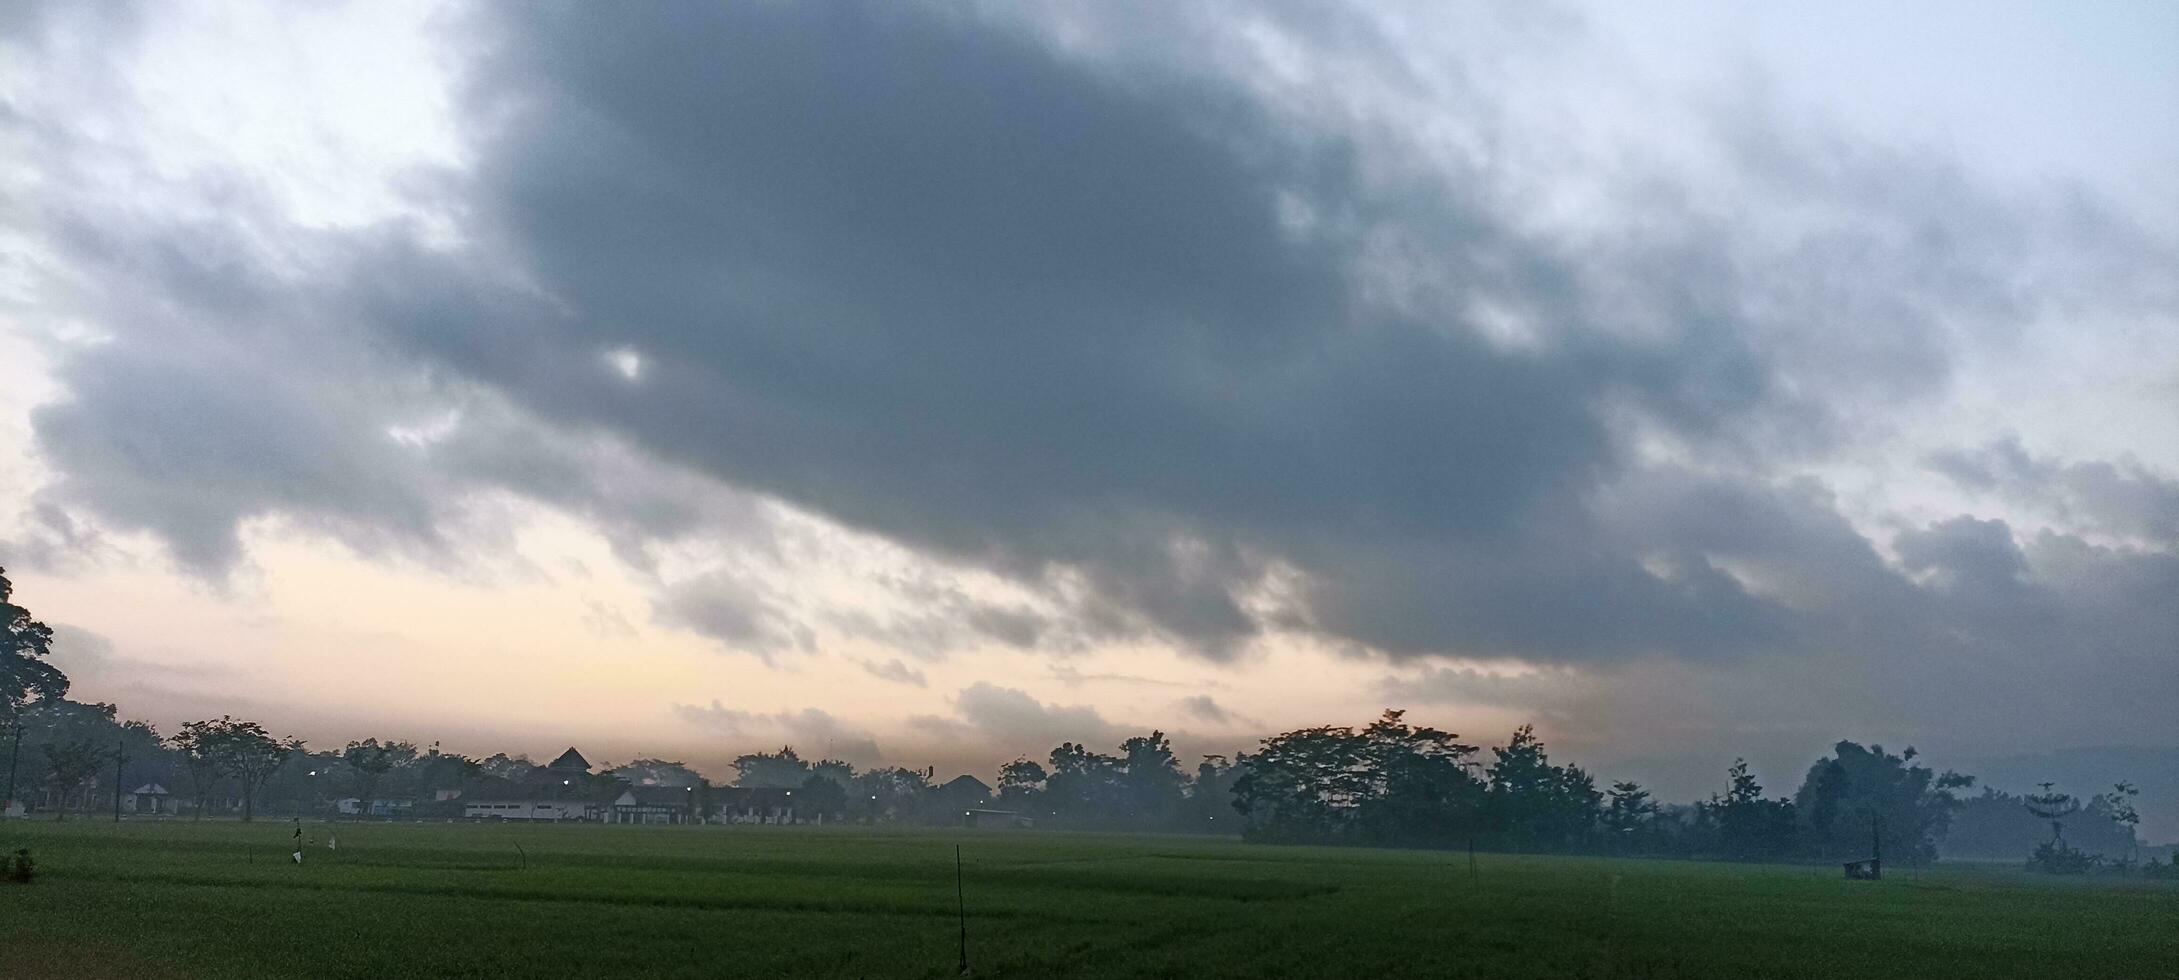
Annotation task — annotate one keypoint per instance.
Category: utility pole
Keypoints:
(15, 754)
(961, 896)
(120, 759)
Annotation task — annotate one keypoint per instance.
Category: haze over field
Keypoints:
(928, 384)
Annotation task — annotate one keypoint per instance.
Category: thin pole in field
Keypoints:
(960, 896)
(15, 753)
(120, 758)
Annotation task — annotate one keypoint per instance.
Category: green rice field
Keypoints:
(225, 900)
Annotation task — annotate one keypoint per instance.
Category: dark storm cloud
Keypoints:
(737, 611)
(2122, 498)
(169, 442)
(1133, 340)
(942, 617)
(966, 294)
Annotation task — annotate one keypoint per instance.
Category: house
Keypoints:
(353, 807)
(550, 811)
(955, 800)
(653, 805)
(560, 791)
(149, 798)
(966, 801)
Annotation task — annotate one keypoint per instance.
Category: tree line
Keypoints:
(1388, 783)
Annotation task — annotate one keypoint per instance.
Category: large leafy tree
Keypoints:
(1084, 786)
(1628, 813)
(1210, 795)
(1152, 787)
(1858, 796)
(371, 760)
(783, 769)
(1389, 783)
(892, 790)
(2055, 807)
(70, 767)
(25, 676)
(1302, 785)
(230, 747)
(1420, 788)
(821, 796)
(657, 772)
(1749, 827)
(198, 748)
(2117, 806)
(1536, 803)
(1021, 782)
(57, 725)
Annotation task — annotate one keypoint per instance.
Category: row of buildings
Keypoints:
(567, 791)
(563, 792)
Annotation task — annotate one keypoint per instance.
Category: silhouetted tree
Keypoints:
(1150, 781)
(773, 770)
(892, 791)
(2117, 806)
(1855, 791)
(1628, 812)
(1210, 796)
(199, 748)
(372, 760)
(1534, 803)
(1420, 789)
(1302, 785)
(656, 772)
(236, 748)
(1749, 827)
(2055, 807)
(25, 676)
(69, 766)
(1390, 783)
(1083, 786)
(821, 796)
(1021, 783)
(837, 770)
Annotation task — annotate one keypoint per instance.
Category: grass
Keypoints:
(223, 900)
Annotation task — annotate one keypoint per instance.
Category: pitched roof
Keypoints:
(151, 789)
(967, 783)
(571, 759)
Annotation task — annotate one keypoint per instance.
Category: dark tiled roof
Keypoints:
(570, 759)
(965, 784)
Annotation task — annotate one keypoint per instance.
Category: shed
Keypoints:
(150, 798)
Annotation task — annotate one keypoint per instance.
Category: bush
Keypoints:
(18, 867)
(2056, 858)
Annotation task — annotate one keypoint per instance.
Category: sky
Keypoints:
(926, 384)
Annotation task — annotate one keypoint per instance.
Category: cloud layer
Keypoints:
(1189, 352)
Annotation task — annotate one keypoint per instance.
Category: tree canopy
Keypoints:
(25, 676)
